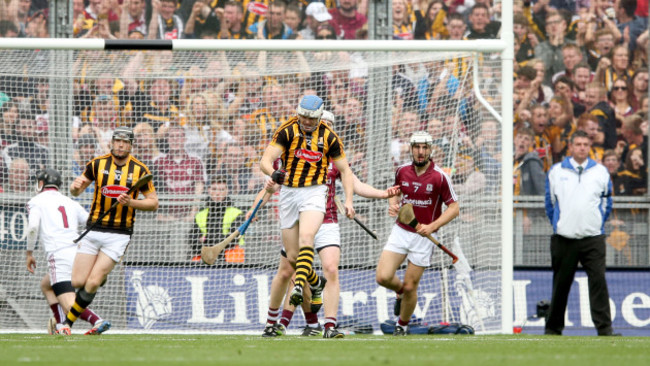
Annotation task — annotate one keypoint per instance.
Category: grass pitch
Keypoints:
(357, 350)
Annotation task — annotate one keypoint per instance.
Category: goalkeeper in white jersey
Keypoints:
(53, 220)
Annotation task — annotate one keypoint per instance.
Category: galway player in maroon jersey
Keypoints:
(426, 187)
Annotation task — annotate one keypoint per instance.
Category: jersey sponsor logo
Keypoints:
(420, 203)
(429, 187)
(171, 35)
(257, 8)
(113, 191)
(405, 184)
(308, 155)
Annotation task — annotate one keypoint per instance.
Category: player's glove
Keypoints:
(278, 176)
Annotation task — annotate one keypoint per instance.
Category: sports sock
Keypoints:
(56, 310)
(90, 316)
(313, 278)
(311, 319)
(285, 319)
(330, 322)
(272, 316)
(403, 323)
(81, 302)
(303, 265)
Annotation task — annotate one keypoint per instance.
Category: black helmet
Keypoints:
(123, 133)
(50, 178)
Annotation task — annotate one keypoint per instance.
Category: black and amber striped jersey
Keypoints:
(306, 156)
(112, 180)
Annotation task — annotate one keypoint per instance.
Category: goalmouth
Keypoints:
(455, 90)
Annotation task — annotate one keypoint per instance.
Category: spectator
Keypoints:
(488, 145)
(639, 87)
(603, 45)
(621, 100)
(346, 19)
(26, 147)
(133, 18)
(402, 25)
(161, 111)
(202, 19)
(179, 174)
(164, 23)
(203, 128)
(9, 114)
(542, 71)
(85, 151)
(232, 165)
(589, 124)
(613, 165)
(36, 26)
(456, 27)
(8, 29)
(293, 17)
(95, 10)
(105, 119)
(550, 51)
(217, 219)
(571, 56)
(269, 117)
(528, 170)
(316, 14)
(629, 25)
(325, 31)
(272, 27)
(232, 21)
(18, 177)
(546, 139)
(481, 26)
(633, 179)
(565, 92)
(596, 104)
(409, 123)
(561, 118)
(431, 23)
(618, 68)
(145, 147)
(524, 38)
(634, 136)
(581, 76)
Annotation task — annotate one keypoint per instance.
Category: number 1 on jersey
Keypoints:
(64, 216)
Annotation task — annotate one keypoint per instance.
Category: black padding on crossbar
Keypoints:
(138, 44)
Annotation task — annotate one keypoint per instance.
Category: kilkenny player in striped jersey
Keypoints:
(105, 244)
(306, 146)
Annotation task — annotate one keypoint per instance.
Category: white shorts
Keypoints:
(59, 264)
(328, 235)
(112, 244)
(293, 201)
(417, 248)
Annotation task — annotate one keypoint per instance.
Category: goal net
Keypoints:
(204, 117)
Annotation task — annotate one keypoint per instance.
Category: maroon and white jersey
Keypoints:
(330, 207)
(426, 192)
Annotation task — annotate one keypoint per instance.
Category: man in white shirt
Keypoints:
(53, 220)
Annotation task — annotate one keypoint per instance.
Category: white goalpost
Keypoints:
(228, 97)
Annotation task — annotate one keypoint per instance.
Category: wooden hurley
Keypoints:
(407, 216)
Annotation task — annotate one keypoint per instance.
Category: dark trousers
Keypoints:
(565, 255)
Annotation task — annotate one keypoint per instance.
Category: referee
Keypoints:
(578, 202)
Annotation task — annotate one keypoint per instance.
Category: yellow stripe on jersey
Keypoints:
(306, 156)
(111, 180)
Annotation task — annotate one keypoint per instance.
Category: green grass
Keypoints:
(519, 350)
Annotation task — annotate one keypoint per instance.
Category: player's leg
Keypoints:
(410, 299)
(330, 257)
(53, 303)
(279, 286)
(309, 224)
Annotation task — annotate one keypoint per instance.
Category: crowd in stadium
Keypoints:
(580, 65)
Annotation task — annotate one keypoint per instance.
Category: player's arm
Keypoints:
(347, 178)
(393, 204)
(149, 203)
(34, 222)
(450, 213)
(79, 185)
(368, 191)
(271, 153)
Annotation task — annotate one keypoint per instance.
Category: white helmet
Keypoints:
(421, 137)
(328, 116)
(310, 106)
